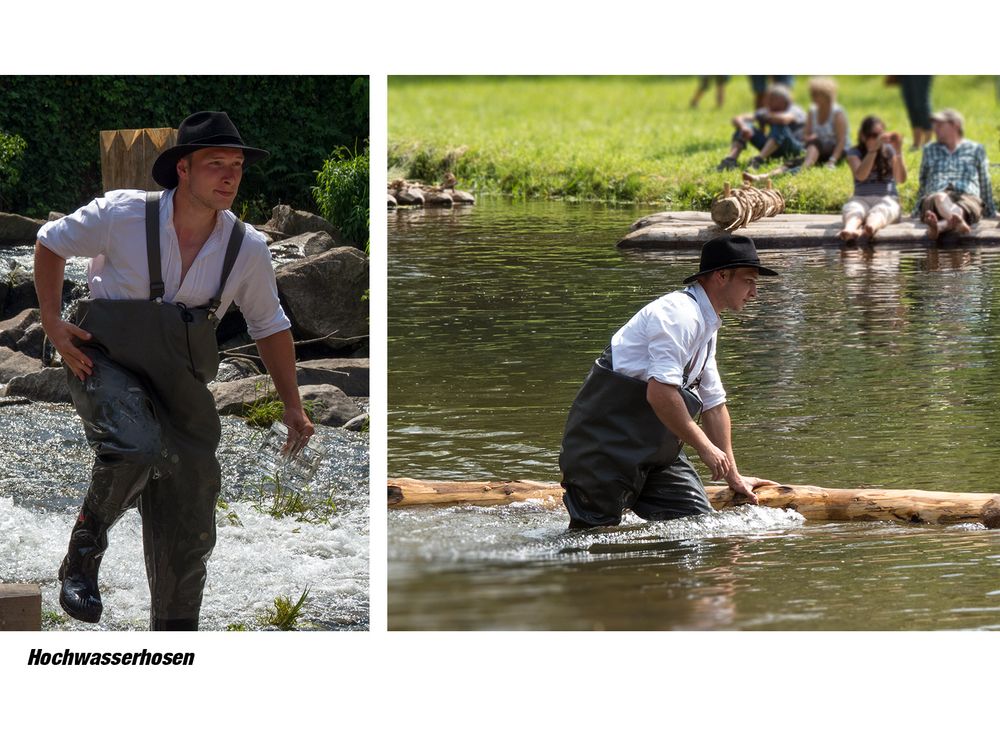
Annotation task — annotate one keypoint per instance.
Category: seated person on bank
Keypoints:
(825, 135)
(776, 130)
(955, 190)
(877, 165)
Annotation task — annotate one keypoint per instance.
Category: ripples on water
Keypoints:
(856, 368)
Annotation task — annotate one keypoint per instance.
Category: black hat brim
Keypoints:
(764, 271)
(165, 167)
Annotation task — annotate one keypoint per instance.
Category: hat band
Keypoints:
(221, 139)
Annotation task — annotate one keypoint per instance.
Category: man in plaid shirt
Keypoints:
(955, 190)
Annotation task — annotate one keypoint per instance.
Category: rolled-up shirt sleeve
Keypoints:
(710, 390)
(257, 298)
(85, 232)
(669, 336)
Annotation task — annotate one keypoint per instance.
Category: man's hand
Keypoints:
(742, 485)
(716, 460)
(61, 333)
(300, 429)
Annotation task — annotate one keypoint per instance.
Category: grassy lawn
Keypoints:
(634, 138)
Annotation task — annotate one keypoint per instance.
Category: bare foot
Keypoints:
(848, 235)
(931, 220)
(956, 223)
(869, 232)
(749, 177)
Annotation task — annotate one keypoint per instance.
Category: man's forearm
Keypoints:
(718, 427)
(49, 273)
(278, 353)
(669, 406)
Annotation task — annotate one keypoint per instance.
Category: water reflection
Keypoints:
(856, 368)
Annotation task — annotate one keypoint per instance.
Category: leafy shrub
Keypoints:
(341, 193)
(11, 152)
(298, 119)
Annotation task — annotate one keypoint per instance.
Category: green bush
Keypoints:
(11, 153)
(341, 193)
(298, 119)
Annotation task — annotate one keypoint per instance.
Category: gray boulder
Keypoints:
(236, 368)
(409, 196)
(288, 222)
(32, 342)
(323, 294)
(349, 375)
(303, 245)
(391, 202)
(48, 384)
(14, 364)
(55, 215)
(460, 197)
(357, 424)
(18, 230)
(12, 329)
(330, 405)
(437, 200)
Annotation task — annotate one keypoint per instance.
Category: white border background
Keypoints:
(446, 690)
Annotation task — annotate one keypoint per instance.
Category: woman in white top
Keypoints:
(825, 135)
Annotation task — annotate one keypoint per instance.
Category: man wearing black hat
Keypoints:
(622, 446)
(141, 349)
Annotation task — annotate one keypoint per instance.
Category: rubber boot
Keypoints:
(80, 596)
(184, 623)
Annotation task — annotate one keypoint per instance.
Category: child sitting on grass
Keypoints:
(784, 121)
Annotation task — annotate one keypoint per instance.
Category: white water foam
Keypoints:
(251, 565)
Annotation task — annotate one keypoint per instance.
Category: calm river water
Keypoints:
(854, 369)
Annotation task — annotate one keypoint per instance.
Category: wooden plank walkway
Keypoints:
(686, 230)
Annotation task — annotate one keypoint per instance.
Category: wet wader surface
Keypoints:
(152, 422)
(617, 454)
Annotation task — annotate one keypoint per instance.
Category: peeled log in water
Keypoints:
(815, 503)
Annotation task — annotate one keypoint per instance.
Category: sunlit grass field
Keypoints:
(635, 138)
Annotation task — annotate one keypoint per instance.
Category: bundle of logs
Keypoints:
(444, 195)
(736, 207)
(814, 503)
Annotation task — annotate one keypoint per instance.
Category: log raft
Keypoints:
(814, 503)
(689, 230)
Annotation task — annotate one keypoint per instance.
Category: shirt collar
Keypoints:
(167, 220)
(705, 305)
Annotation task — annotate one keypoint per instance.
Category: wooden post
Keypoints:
(20, 606)
(127, 156)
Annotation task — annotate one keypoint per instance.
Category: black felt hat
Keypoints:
(202, 130)
(729, 251)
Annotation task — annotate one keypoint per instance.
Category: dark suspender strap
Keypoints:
(232, 250)
(690, 365)
(156, 287)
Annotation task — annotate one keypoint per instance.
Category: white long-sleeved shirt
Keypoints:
(668, 334)
(111, 231)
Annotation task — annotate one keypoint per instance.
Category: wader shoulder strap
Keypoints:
(232, 250)
(156, 287)
(690, 365)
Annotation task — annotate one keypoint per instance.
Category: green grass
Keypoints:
(632, 139)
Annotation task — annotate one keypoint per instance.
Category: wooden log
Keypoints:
(815, 503)
(127, 156)
(20, 606)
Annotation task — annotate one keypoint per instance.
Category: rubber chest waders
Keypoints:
(152, 423)
(617, 454)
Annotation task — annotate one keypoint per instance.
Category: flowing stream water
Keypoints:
(855, 368)
(44, 472)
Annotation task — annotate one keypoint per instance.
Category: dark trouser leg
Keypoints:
(672, 492)
(178, 535)
(120, 426)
